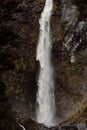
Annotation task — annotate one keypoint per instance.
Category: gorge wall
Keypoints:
(19, 32)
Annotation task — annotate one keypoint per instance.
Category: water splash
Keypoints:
(45, 95)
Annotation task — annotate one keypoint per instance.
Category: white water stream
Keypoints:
(45, 96)
(22, 127)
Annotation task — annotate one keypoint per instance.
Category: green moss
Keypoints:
(80, 116)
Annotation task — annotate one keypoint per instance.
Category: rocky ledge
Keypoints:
(33, 125)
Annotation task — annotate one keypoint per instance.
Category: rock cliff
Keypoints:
(19, 30)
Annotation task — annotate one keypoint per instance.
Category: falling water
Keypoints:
(45, 95)
(22, 127)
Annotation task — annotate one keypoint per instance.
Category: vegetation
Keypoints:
(8, 43)
(80, 116)
(82, 7)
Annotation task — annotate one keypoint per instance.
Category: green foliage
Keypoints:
(58, 1)
(6, 116)
(9, 40)
(82, 7)
(7, 35)
(8, 4)
(80, 116)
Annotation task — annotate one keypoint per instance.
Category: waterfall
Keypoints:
(45, 96)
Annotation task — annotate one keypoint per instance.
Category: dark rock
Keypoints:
(69, 128)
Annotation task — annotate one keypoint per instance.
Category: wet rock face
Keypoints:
(30, 124)
(69, 52)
